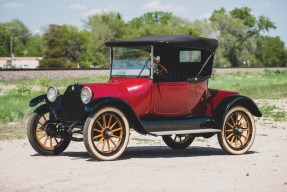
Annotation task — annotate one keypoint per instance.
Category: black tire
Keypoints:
(238, 131)
(178, 141)
(39, 139)
(106, 134)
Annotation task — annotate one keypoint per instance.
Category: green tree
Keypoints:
(103, 27)
(271, 52)
(20, 35)
(160, 23)
(238, 31)
(64, 46)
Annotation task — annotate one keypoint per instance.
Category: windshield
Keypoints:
(131, 62)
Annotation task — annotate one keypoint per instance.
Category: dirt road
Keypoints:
(148, 165)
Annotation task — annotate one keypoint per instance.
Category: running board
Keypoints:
(184, 132)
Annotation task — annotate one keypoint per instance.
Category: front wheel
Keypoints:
(106, 134)
(46, 137)
(238, 131)
(178, 141)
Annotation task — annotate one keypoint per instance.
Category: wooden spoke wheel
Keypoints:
(238, 131)
(178, 141)
(43, 135)
(106, 134)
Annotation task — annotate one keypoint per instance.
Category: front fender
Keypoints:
(123, 106)
(234, 100)
(35, 101)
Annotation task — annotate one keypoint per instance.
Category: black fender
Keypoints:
(35, 101)
(234, 100)
(132, 117)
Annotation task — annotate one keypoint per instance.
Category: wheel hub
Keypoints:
(107, 133)
(237, 130)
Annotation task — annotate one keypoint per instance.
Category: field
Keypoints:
(148, 164)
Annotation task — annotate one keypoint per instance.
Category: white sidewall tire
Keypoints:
(221, 136)
(88, 134)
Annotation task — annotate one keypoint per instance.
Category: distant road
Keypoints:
(17, 74)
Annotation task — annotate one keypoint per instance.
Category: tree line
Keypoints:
(242, 38)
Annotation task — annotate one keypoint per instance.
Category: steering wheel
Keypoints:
(161, 66)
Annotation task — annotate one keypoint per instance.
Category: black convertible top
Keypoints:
(187, 41)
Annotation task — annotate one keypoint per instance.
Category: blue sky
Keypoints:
(37, 14)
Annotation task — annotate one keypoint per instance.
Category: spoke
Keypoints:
(99, 142)
(97, 130)
(56, 140)
(46, 140)
(240, 141)
(229, 125)
(101, 135)
(235, 141)
(231, 117)
(229, 136)
(110, 119)
(118, 129)
(51, 146)
(40, 123)
(104, 121)
(116, 136)
(111, 127)
(232, 140)
(113, 143)
(244, 136)
(42, 136)
(40, 130)
(109, 148)
(45, 118)
(103, 146)
(180, 139)
(229, 130)
(101, 126)
(237, 121)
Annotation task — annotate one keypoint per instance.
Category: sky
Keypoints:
(38, 14)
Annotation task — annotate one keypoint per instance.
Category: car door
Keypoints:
(170, 98)
(196, 92)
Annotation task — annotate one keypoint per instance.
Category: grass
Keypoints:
(16, 94)
(273, 112)
(265, 85)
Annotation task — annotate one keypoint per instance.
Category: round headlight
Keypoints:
(52, 93)
(86, 95)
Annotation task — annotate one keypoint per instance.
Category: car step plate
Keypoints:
(183, 132)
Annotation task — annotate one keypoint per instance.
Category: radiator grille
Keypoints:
(73, 108)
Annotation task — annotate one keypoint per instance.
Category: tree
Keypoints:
(238, 31)
(64, 46)
(103, 27)
(158, 23)
(20, 35)
(271, 52)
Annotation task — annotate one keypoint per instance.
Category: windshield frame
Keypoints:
(150, 68)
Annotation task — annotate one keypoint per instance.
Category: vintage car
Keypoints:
(158, 86)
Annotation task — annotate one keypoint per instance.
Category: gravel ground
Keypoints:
(148, 165)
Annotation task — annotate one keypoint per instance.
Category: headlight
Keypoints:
(52, 93)
(86, 95)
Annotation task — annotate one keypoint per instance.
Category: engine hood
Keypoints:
(135, 91)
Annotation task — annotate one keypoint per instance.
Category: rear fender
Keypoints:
(231, 101)
(132, 117)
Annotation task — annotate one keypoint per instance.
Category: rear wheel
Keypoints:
(106, 134)
(178, 141)
(47, 138)
(238, 131)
